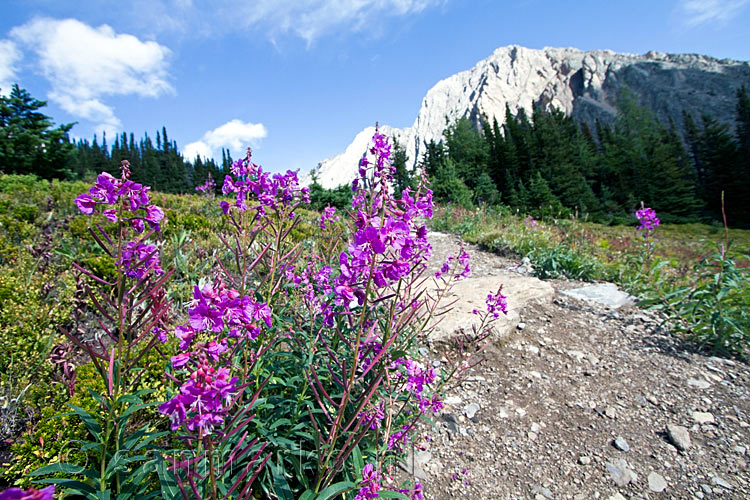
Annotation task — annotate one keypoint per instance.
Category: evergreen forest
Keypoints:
(550, 165)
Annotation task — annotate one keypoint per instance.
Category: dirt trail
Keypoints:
(580, 401)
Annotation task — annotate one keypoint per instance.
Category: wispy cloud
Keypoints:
(84, 65)
(235, 135)
(9, 56)
(698, 12)
(307, 19)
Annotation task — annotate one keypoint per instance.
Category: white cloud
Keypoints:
(697, 12)
(9, 55)
(234, 135)
(308, 19)
(84, 65)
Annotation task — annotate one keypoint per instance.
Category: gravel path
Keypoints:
(586, 402)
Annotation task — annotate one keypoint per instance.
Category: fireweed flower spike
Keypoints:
(647, 218)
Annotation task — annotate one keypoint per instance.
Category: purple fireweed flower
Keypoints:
(647, 219)
(207, 187)
(398, 439)
(180, 360)
(203, 400)
(370, 485)
(161, 335)
(497, 303)
(86, 205)
(372, 417)
(265, 191)
(329, 213)
(186, 334)
(47, 493)
(139, 259)
(124, 193)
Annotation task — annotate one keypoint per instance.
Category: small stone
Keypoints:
(703, 417)
(536, 427)
(436, 363)
(740, 449)
(698, 383)
(502, 412)
(656, 482)
(679, 436)
(621, 444)
(652, 399)
(471, 409)
(610, 412)
(521, 326)
(532, 436)
(720, 482)
(453, 400)
(617, 496)
(423, 351)
(584, 460)
(706, 489)
(521, 412)
(620, 472)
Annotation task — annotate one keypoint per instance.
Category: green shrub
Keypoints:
(32, 306)
(53, 438)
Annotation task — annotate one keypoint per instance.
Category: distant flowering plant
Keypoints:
(208, 187)
(647, 218)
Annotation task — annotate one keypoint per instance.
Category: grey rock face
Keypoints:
(584, 84)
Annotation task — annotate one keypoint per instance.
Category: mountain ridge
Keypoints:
(582, 83)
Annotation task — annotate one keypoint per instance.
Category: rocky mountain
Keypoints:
(584, 83)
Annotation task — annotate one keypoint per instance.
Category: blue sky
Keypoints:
(297, 79)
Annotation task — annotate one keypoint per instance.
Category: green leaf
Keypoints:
(335, 489)
(104, 495)
(59, 467)
(307, 495)
(359, 463)
(167, 479)
(77, 486)
(90, 422)
(280, 484)
(392, 494)
(117, 462)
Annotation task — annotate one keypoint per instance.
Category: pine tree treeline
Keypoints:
(30, 145)
(159, 165)
(550, 165)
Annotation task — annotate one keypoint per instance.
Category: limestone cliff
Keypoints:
(585, 84)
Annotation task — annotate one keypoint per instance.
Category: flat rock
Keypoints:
(621, 473)
(415, 462)
(471, 409)
(472, 293)
(703, 417)
(656, 482)
(679, 436)
(621, 444)
(604, 293)
(698, 383)
(720, 482)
